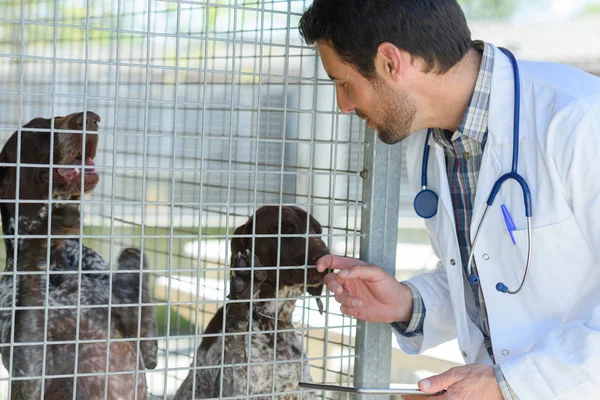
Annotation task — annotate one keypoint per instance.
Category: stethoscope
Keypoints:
(426, 201)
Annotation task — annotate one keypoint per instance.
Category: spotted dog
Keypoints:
(73, 176)
(267, 314)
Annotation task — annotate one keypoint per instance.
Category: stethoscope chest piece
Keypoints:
(426, 203)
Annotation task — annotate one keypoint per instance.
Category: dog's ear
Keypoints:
(267, 291)
(39, 123)
(5, 190)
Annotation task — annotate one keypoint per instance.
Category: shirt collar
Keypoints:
(475, 120)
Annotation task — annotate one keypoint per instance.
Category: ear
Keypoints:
(390, 61)
(4, 178)
(4, 171)
(38, 123)
(267, 291)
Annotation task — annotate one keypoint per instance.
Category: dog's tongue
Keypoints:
(68, 173)
(71, 173)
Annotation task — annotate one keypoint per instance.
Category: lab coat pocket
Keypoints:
(560, 269)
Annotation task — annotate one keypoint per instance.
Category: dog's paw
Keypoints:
(241, 282)
(131, 259)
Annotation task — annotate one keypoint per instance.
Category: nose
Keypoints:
(345, 105)
(91, 120)
(317, 249)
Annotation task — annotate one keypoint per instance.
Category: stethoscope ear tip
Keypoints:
(501, 287)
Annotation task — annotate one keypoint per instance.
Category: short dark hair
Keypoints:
(433, 30)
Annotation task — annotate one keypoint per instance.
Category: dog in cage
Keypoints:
(268, 349)
(62, 293)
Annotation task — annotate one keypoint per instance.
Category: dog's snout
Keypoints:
(317, 249)
(91, 120)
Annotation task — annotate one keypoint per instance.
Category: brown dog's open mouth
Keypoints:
(69, 174)
(78, 165)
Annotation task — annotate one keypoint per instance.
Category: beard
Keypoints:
(395, 113)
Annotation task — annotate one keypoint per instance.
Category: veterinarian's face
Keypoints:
(390, 112)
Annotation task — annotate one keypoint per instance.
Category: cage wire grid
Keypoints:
(208, 111)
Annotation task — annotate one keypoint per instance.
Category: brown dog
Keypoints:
(73, 176)
(268, 314)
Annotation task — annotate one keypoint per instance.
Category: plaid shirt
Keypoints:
(464, 151)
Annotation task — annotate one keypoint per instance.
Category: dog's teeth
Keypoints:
(77, 171)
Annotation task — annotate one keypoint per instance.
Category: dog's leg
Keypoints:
(29, 324)
(126, 290)
(242, 288)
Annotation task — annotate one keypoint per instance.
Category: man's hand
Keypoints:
(473, 381)
(366, 291)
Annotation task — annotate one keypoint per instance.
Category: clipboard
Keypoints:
(393, 388)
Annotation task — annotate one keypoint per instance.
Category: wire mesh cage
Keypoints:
(207, 112)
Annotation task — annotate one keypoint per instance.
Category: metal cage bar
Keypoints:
(378, 246)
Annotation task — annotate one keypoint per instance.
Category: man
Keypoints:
(408, 65)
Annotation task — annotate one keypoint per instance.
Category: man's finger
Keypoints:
(345, 299)
(440, 382)
(349, 311)
(333, 283)
(330, 261)
(365, 272)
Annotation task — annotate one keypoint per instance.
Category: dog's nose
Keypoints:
(91, 120)
(318, 252)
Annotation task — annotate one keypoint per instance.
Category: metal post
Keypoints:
(378, 246)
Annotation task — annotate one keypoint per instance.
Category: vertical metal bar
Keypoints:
(49, 215)
(281, 194)
(362, 150)
(309, 201)
(229, 185)
(172, 195)
(112, 195)
(378, 246)
(201, 205)
(15, 279)
(81, 205)
(261, 16)
(143, 212)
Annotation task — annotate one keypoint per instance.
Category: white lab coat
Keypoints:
(547, 337)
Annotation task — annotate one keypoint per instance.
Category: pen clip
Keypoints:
(510, 225)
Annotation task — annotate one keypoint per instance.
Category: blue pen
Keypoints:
(510, 225)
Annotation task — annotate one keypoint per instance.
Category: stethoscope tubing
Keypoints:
(426, 200)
